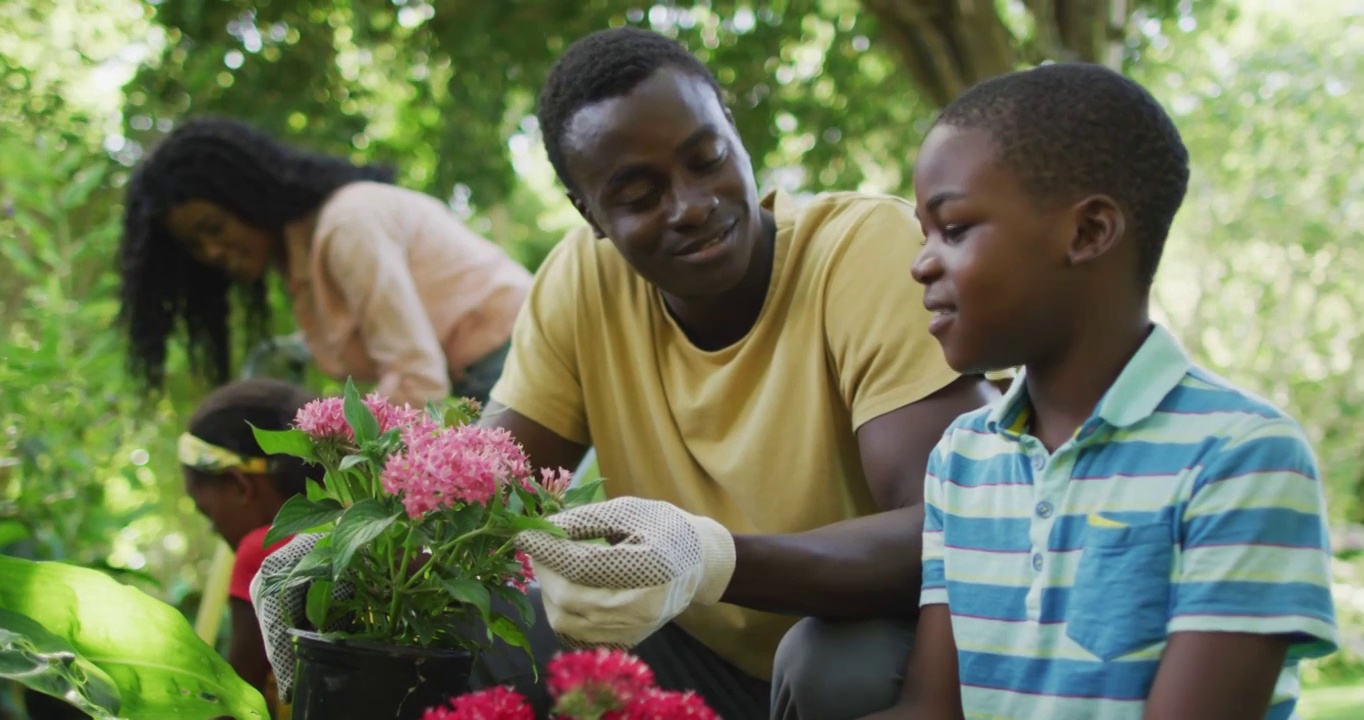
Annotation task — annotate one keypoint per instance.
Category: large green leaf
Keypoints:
(42, 661)
(146, 647)
(285, 442)
(361, 523)
(361, 419)
(298, 513)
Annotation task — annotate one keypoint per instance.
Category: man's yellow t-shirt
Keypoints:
(761, 435)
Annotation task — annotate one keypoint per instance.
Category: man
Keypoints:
(761, 390)
(760, 372)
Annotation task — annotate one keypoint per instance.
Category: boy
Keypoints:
(1124, 535)
(240, 490)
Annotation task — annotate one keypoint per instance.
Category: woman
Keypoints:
(386, 284)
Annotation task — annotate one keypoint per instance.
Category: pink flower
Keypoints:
(442, 467)
(604, 679)
(521, 580)
(655, 704)
(498, 703)
(324, 419)
(391, 416)
(555, 482)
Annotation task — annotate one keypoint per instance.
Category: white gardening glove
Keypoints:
(279, 613)
(659, 561)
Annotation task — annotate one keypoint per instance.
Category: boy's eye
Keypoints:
(953, 232)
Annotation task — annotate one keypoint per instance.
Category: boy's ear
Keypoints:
(1100, 225)
(241, 486)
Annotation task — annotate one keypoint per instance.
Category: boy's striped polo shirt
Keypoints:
(1182, 504)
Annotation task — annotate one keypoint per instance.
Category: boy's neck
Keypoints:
(1065, 392)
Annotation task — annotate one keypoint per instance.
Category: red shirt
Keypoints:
(251, 553)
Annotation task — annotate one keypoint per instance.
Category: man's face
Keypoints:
(662, 173)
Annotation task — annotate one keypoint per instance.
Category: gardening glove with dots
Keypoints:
(278, 613)
(656, 562)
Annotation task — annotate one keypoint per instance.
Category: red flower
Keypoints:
(655, 704)
(597, 681)
(498, 703)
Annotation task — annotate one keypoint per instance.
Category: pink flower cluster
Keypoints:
(608, 684)
(555, 482)
(324, 419)
(443, 466)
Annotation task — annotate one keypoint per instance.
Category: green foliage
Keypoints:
(48, 664)
(124, 651)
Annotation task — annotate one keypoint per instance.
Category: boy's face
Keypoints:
(662, 173)
(994, 259)
(226, 500)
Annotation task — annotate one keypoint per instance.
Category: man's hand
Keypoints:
(280, 613)
(656, 560)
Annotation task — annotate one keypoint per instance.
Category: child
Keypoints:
(240, 490)
(1125, 534)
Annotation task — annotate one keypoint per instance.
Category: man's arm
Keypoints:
(542, 446)
(1216, 676)
(866, 566)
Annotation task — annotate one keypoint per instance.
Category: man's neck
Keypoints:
(716, 322)
(1065, 391)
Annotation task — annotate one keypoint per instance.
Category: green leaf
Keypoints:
(146, 647)
(319, 602)
(315, 491)
(361, 419)
(510, 633)
(351, 461)
(585, 492)
(469, 592)
(47, 663)
(361, 523)
(527, 522)
(299, 514)
(518, 600)
(293, 442)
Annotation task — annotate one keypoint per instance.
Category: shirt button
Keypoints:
(1039, 462)
(1037, 561)
(1043, 509)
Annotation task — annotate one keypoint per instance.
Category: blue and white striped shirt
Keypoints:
(1182, 504)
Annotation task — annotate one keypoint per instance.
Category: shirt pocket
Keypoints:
(1120, 601)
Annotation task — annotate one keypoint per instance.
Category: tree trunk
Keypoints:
(949, 45)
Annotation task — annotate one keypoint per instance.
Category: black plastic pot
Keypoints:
(340, 680)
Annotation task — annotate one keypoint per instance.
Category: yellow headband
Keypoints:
(202, 455)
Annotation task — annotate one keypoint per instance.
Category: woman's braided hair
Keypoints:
(246, 172)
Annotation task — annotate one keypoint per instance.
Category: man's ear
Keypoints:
(581, 207)
(1100, 226)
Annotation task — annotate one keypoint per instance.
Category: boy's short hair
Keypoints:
(1070, 129)
(225, 418)
(603, 65)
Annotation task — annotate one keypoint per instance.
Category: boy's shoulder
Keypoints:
(1227, 409)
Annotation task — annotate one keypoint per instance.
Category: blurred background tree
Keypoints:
(1258, 281)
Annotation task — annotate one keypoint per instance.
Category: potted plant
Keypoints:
(417, 513)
